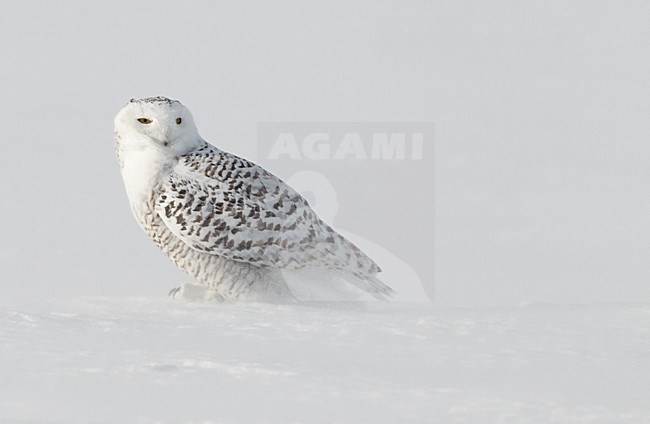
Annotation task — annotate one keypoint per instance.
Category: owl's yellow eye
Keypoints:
(178, 121)
(145, 120)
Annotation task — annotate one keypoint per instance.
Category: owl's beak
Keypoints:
(161, 143)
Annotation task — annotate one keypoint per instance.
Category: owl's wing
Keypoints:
(224, 205)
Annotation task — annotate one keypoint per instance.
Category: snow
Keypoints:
(153, 360)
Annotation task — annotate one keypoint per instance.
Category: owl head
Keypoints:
(157, 122)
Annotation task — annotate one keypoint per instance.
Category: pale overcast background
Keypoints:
(541, 113)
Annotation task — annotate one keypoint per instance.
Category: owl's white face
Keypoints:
(157, 122)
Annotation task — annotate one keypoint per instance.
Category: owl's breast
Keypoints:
(142, 171)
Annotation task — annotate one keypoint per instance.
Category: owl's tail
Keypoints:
(327, 284)
(369, 284)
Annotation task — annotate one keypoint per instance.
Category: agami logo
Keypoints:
(373, 181)
(350, 145)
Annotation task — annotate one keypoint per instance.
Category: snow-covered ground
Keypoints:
(135, 360)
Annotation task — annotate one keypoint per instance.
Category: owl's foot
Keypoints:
(194, 293)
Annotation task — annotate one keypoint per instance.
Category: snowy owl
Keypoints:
(237, 229)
